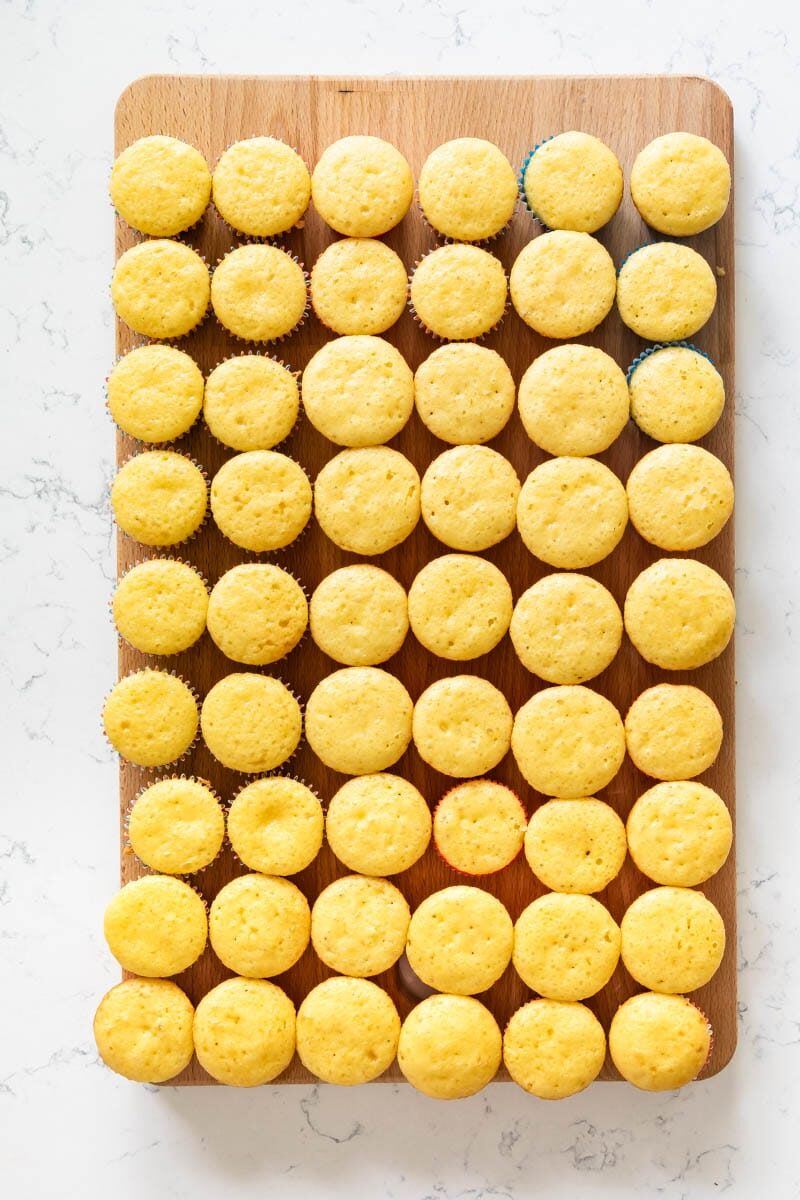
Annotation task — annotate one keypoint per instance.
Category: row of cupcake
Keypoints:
(363, 186)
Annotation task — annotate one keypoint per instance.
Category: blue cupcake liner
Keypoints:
(683, 345)
(521, 180)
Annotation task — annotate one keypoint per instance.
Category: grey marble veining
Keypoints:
(68, 1127)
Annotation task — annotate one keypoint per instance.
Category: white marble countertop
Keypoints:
(70, 1128)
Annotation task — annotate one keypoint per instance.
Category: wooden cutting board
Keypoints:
(417, 115)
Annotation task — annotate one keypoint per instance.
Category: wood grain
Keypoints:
(417, 115)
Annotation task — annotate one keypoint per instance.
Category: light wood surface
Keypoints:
(417, 115)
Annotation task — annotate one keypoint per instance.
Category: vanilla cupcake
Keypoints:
(257, 613)
(659, 1042)
(568, 741)
(478, 827)
(673, 731)
(458, 292)
(464, 393)
(679, 497)
(665, 291)
(459, 606)
(244, 1032)
(359, 286)
(160, 606)
(358, 720)
(574, 400)
(275, 825)
(566, 628)
(467, 189)
(450, 1047)
(347, 1031)
(679, 614)
(679, 833)
(554, 1048)
(677, 394)
(460, 940)
(358, 391)
(155, 393)
(261, 500)
(160, 185)
(563, 284)
(359, 615)
(160, 289)
(673, 939)
(150, 718)
(378, 824)
(176, 826)
(469, 497)
(575, 845)
(462, 726)
(572, 181)
(250, 722)
(261, 187)
(143, 1030)
(362, 186)
(259, 925)
(156, 926)
(367, 500)
(572, 512)
(251, 402)
(159, 498)
(359, 925)
(681, 184)
(259, 293)
(566, 947)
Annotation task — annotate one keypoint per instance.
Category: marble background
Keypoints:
(67, 1126)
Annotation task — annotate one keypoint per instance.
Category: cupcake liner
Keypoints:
(296, 372)
(521, 181)
(194, 533)
(257, 239)
(186, 233)
(144, 444)
(156, 558)
(178, 338)
(261, 342)
(189, 749)
(441, 854)
(437, 337)
(126, 817)
(684, 345)
(278, 773)
(447, 240)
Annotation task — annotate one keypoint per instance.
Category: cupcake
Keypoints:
(658, 1042)
(359, 615)
(250, 722)
(574, 400)
(367, 500)
(244, 1032)
(673, 731)
(665, 291)
(679, 833)
(478, 827)
(160, 185)
(358, 391)
(459, 606)
(362, 186)
(156, 926)
(257, 613)
(150, 718)
(679, 497)
(159, 498)
(458, 292)
(568, 742)
(462, 726)
(359, 925)
(378, 824)
(563, 284)
(176, 826)
(679, 614)
(681, 184)
(673, 939)
(572, 512)
(554, 1048)
(460, 940)
(258, 925)
(572, 181)
(155, 393)
(251, 402)
(160, 289)
(143, 1030)
(469, 497)
(467, 189)
(261, 500)
(566, 947)
(359, 286)
(450, 1047)
(566, 628)
(347, 1031)
(259, 293)
(677, 394)
(261, 187)
(464, 393)
(575, 846)
(160, 606)
(275, 825)
(358, 720)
